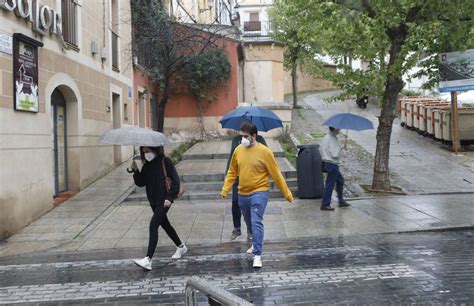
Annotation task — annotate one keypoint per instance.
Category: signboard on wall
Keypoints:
(456, 71)
(5, 43)
(25, 73)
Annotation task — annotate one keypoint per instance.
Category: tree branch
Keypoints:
(368, 7)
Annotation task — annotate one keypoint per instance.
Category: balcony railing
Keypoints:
(115, 52)
(252, 26)
(257, 28)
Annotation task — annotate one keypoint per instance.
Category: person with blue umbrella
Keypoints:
(254, 163)
(264, 120)
(330, 150)
(236, 212)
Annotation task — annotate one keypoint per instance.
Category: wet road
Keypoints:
(378, 269)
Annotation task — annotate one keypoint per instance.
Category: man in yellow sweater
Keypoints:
(253, 163)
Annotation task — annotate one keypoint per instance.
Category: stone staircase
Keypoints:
(203, 166)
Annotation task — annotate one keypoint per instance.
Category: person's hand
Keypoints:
(223, 196)
(134, 166)
(167, 203)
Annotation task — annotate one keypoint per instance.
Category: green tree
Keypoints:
(163, 47)
(391, 37)
(204, 72)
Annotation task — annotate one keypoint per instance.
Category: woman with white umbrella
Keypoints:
(152, 176)
(160, 191)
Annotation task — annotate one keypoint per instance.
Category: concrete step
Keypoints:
(221, 150)
(209, 177)
(203, 195)
(215, 186)
(220, 156)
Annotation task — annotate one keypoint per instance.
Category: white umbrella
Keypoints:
(134, 136)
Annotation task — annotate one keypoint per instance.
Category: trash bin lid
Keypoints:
(307, 146)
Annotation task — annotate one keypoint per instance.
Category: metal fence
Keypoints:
(215, 295)
(258, 28)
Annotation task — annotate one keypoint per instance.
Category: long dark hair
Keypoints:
(160, 153)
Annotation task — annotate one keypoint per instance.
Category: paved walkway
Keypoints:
(98, 218)
(426, 165)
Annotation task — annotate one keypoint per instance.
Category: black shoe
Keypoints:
(327, 208)
(235, 233)
(344, 204)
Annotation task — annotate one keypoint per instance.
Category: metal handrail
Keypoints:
(217, 294)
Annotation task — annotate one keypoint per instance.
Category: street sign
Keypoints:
(456, 71)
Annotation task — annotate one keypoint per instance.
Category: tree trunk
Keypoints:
(294, 77)
(381, 178)
(161, 108)
(201, 117)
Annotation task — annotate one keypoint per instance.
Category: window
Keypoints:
(114, 21)
(115, 53)
(125, 112)
(69, 19)
(254, 24)
(254, 17)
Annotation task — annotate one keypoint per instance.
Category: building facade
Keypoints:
(65, 78)
(202, 11)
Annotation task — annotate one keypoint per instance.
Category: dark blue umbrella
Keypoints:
(348, 121)
(263, 119)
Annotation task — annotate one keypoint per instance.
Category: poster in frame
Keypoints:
(25, 73)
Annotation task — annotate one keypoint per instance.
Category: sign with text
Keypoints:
(25, 73)
(6, 43)
(456, 71)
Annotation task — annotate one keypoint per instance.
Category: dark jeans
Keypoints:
(236, 212)
(160, 219)
(334, 178)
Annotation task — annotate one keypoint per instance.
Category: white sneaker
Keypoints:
(250, 251)
(257, 261)
(180, 251)
(145, 263)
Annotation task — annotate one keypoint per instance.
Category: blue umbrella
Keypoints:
(348, 121)
(263, 119)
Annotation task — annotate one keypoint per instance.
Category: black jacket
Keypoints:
(153, 178)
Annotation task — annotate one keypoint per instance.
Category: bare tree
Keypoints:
(164, 47)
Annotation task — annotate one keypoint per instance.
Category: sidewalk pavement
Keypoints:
(98, 218)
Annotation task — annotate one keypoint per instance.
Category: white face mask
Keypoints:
(149, 156)
(245, 142)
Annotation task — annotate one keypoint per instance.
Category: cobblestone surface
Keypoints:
(364, 269)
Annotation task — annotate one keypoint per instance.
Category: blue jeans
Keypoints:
(334, 178)
(253, 207)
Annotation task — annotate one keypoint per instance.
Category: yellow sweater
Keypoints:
(253, 166)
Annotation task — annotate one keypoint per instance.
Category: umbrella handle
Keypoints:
(130, 170)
